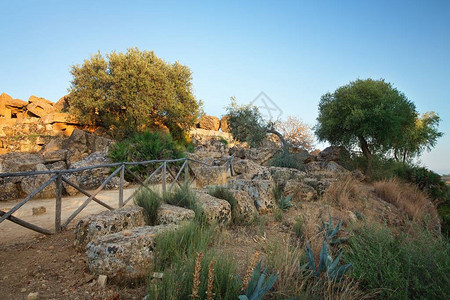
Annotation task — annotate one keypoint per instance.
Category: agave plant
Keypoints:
(258, 285)
(331, 231)
(285, 202)
(327, 265)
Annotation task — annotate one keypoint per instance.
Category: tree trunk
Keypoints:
(283, 141)
(366, 151)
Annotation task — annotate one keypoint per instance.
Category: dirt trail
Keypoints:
(11, 233)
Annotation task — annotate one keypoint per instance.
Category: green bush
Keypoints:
(150, 201)
(400, 267)
(145, 146)
(286, 159)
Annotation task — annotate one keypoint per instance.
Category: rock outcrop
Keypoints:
(209, 123)
(260, 191)
(106, 223)
(215, 210)
(125, 255)
(170, 214)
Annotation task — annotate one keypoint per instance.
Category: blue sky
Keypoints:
(294, 51)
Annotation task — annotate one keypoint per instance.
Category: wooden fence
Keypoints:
(58, 178)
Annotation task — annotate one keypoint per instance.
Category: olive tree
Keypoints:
(369, 114)
(133, 91)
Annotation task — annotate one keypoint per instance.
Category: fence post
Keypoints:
(122, 175)
(186, 172)
(164, 176)
(231, 166)
(58, 202)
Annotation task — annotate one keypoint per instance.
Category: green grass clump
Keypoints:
(150, 201)
(400, 267)
(298, 227)
(286, 159)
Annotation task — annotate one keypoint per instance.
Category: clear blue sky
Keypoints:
(294, 51)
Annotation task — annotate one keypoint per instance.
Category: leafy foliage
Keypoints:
(296, 133)
(259, 284)
(369, 114)
(145, 146)
(246, 123)
(132, 91)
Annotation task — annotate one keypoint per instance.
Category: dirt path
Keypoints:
(11, 233)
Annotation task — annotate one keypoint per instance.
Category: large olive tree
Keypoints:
(369, 114)
(133, 91)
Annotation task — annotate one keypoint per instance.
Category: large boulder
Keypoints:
(260, 191)
(19, 162)
(39, 107)
(30, 183)
(216, 210)
(224, 125)
(8, 190)
(88, 179)
(54, 156)
(246, 167)
(126, 255)
(285, 174)
(209, 123)
(299, 191)
(326, 169)
(260, 156)
(59, 117)
(62, 105)
(106, 223)
(331, 153)
(209, 175)
(80, 144)
(245, 207)
(170, 214)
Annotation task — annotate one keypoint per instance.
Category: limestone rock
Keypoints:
(215, 209)
(285, 174)
(209, 175)
(88, 179)
(170, 214)
(299, 191)
(332, 153)
(106, 223)
(59, 117)
(209, 123)
(39, 107)
(326, 169)
(124, 257)
(260, 191)
(8, 190)
(245, 206)
(80, 144)
(30, 183)
(224, 126)
(246, 167)
(62, 105)
(19, 162)
(58, 155)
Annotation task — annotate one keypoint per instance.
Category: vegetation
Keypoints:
(225, 194)
(144, 146)
(298, 134)
(287, 159)
(374, 116)
(400, 266)
(133, 91)
(150, 201)
(258, 285)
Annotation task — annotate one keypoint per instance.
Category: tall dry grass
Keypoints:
(343, 192)
(408, 198)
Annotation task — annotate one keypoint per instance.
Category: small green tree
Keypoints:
(133, 91)
(423, 135)
(370, 114)
(247, 125)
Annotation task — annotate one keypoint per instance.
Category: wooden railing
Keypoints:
(58, 178)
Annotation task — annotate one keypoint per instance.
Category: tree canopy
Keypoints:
(133, 91)
(370, 114)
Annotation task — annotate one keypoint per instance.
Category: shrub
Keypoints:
(150, 201)
(145, 146)
(185, 197)
(286, 159)
(402, 267)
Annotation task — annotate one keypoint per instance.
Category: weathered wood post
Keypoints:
(164, 176)
(59, 187)
(232, 165)
(186, 172)
(122, 175)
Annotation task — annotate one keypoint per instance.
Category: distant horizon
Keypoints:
(294, 51)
